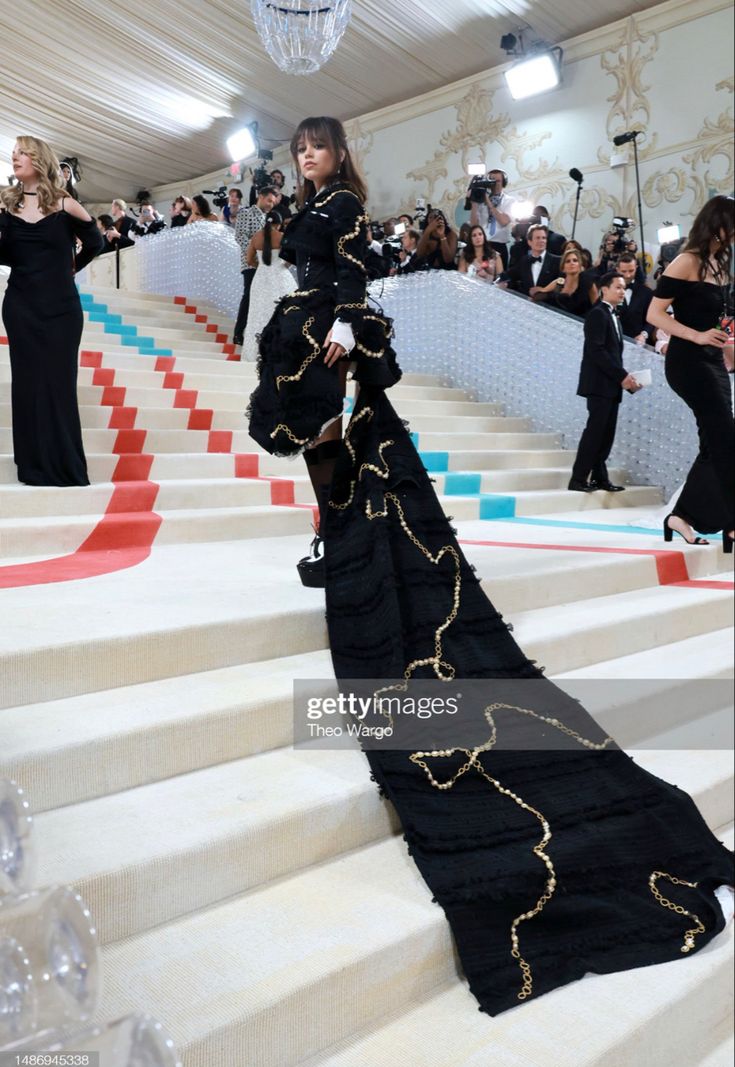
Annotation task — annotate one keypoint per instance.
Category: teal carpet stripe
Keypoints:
(497, 506)
(436, 462)
(564, 524)
(113, 324)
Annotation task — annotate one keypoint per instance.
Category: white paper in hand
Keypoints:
(643, 377)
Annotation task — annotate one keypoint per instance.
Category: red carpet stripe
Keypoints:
(121, 539)
(670, 565)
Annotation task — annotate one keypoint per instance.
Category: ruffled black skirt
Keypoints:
(298, 395)
(403, 603)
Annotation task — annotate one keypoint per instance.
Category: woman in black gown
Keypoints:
(574, 291)
(39, 227)
(555, 854)
(695, 284)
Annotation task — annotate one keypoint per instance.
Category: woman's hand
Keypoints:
(334, 351)
(715, 337)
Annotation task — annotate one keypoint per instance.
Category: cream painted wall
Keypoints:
(667, 72)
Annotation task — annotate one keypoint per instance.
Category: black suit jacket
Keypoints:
(633, 315)
(602, 368)
(520, 277)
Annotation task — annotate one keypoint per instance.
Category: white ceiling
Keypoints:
(146, 92)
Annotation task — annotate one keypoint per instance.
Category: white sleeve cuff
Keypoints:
(342, 334)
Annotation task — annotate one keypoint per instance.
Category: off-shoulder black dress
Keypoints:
(43, 319)
(697, 374)
(550, 858)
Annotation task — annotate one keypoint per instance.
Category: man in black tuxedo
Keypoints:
(555, 241)
(602, 378)
(634, 306)
(534, 270)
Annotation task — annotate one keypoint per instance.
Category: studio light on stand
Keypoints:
(576, 176)
(670, 231)
(536, 71)
(244, 143)
(621, 139)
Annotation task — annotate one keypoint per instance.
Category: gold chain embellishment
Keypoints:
(359, 307)
(435, 661)
(473, 761)
(366, 412)
(439, 665)
(664, 902)
(315, 350)
(337, 192)
(289, 433)
(341, 241)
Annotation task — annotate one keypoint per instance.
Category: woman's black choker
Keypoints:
(29, 193)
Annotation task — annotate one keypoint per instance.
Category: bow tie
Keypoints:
(537, 259)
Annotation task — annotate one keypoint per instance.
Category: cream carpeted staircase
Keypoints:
(259, 900)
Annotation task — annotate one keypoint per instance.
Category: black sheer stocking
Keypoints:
(320, 463)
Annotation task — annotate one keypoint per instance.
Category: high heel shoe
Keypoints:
(311, 567)
(727, 543)
(669, 534)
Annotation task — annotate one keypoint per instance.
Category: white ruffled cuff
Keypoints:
(342, 334)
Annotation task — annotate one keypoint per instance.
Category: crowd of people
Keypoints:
(388, 557)
(524, 256)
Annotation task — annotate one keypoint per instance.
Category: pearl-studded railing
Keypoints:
(503, 348)
(50, 967)
(200, 262)
(474, 336)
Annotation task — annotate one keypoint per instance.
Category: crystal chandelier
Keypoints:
(300, 35)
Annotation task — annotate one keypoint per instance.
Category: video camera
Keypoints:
(219, 196)
(479, 188)
(620, 227)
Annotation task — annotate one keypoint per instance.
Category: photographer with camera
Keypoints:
(149, 221)
(489, 206)
(437, 247)
(407, 252)
(249, 221)
(613, 245)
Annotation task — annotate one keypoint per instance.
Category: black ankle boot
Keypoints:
(311, 567)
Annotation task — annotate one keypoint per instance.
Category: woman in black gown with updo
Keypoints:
(695, 284)
(39, 228)
(403, 603)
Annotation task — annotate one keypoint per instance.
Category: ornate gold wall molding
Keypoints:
(716, 139)
(630, 108)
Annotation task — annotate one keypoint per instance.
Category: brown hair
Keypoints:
(715, 216)
(468, 252)
(571, 252)
(330, 132)
(51, 186)
(532, 230)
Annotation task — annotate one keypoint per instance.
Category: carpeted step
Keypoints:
(285, 953)
(572, 635)
(94, 744)
(707, 655)
(240, 602)
(149, 855)
(595, 1023)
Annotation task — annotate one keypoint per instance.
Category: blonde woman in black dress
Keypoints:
(39, 229)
